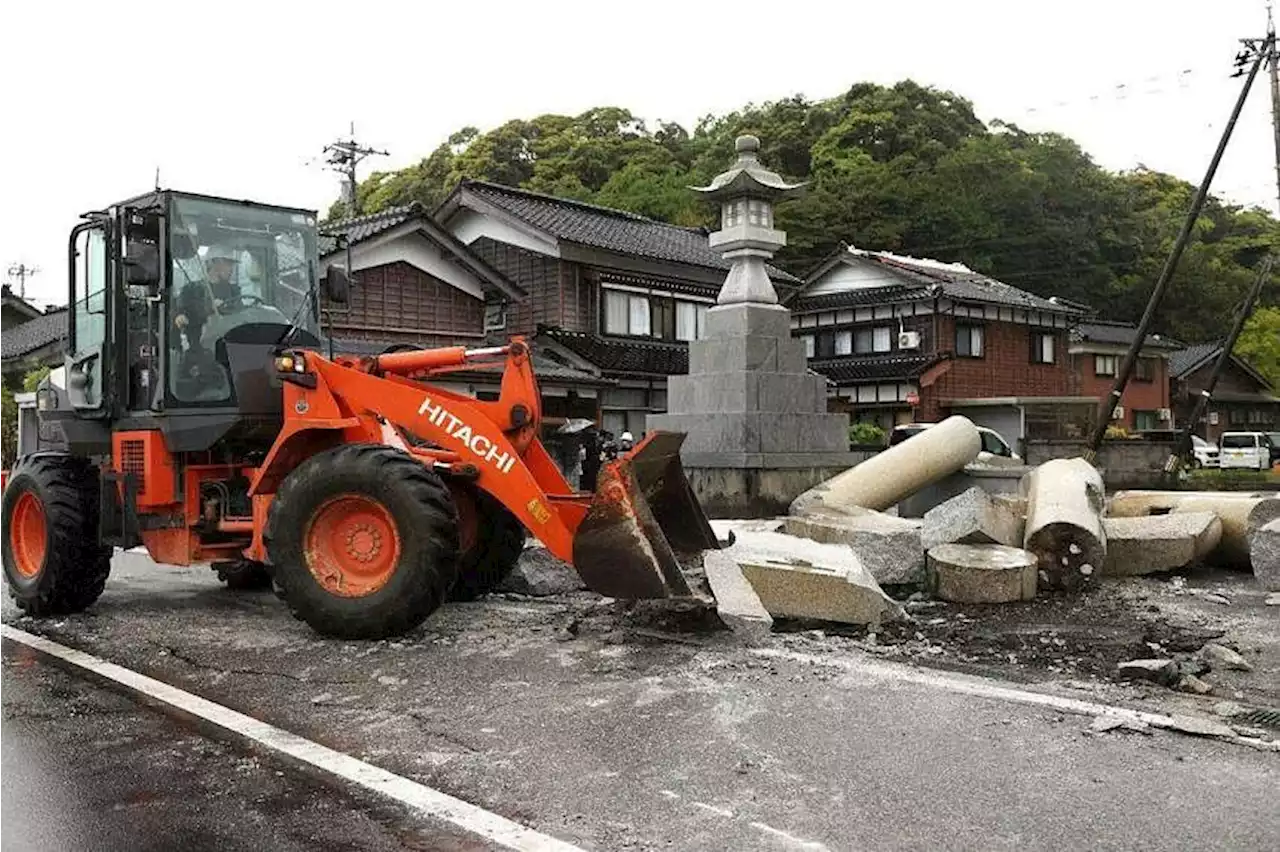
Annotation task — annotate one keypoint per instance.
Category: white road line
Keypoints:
(986, 688)
(419, 797)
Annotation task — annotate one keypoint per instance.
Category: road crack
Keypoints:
(230, 670)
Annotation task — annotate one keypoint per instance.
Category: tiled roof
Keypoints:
(364, 227)
(952, 280)
(862, 296)
(32, 335)
(1188, 360)
(844, 371)
(1117, 333)
(605, 228)
(625, 357)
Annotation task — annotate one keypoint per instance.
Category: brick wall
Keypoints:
(1138, 395)
(1004, 370)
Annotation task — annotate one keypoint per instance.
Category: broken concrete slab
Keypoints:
(1064, 522)
(1110, 722)
(1240, 512)
(1272, 599)
(1194, 685)
(798, 578)
(1221, 657)
(1162, 671)
(982, 573)
(888, 547)
(1158, 543)
(1264, 555)
(737, 603)
(971, 518)
(539, 574)
(889, 476)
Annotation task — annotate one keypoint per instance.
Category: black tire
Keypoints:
(243, 575)
(499, 543)
(74, 568)
(425, 525)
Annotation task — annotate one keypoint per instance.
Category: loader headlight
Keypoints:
(291, 364)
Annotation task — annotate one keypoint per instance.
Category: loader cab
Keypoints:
(177, 302)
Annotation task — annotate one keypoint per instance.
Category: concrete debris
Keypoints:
(1222, 657)
(1162, 671)
(1211, 597)
(898, 472)
(540, 574)
(982, 573)
(1199, 727)
(888, 547)
(1240, 512)
(798, 578)
(1064, 522)
(1194, 685)
(1159, 543)
(1264, 554)
(1228, 709)
(737, 603)
(1015, 503)
(1273, 599)
(971, 518)
(1107, 722)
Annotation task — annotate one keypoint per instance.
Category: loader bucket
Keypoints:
(643, 515)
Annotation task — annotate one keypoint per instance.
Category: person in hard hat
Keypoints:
(199, 300)
(625, 442)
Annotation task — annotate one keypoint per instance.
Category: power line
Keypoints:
(22, 272)
(344, 156)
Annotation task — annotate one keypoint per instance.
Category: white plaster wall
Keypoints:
(469, 226)
(851, 276)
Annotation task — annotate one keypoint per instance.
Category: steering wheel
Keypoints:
(239, 303)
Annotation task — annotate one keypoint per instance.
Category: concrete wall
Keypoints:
(1124, 463)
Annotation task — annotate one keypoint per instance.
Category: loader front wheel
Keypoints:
(52, 560)
(363, 542)
(491, 552)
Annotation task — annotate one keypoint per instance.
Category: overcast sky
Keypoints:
(238, 98)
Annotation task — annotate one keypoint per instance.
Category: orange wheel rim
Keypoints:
(29, 535)
(352, 545)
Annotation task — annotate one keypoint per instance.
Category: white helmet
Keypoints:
(626, 436)
(222, 252)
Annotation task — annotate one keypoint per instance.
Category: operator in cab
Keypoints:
(211, 294)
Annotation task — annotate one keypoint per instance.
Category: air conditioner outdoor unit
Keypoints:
(909, 340)
(1164, 414)
(1117, 413)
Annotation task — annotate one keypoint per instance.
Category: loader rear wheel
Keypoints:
(492, 552)
(52, 560)
(363, 541)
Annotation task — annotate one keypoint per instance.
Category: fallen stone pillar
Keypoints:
(1159, 542)
(887, 477)
(1064, 522)
(797, 578)
(1240, 513)
(737, 603)
(982, 573)
(888, 547)
(1264, 554)
(971, 518)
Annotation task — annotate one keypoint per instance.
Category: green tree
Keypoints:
(1259, 343)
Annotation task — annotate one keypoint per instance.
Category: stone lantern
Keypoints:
(757, 431)
(747, 238)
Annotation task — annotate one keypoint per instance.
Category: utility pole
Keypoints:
(1271, 55)
(1253, 58)
(22, 272)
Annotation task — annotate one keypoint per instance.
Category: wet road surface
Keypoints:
(88, 770)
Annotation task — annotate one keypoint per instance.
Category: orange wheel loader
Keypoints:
(197, 415)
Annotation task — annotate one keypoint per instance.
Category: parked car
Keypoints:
(1250, 450)
(1203, 453)
(992, 442)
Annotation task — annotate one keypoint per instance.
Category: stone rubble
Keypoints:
(737, 603)
(971, 518)
(888, 547)
(1264, 554)
(539, 574)
(1159, 543)
(1161, 671)
(1064, 522)
(1222, 657)
(982, 573)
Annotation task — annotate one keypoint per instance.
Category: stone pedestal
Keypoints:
(756, 421)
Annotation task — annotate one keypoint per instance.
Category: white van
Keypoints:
(1252, 450)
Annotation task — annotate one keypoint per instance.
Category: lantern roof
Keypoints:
(748, 177)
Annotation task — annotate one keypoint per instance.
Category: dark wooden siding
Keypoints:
(547, 280)
(399, 302)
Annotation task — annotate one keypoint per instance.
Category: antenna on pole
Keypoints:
(344, 156)
(22, 272)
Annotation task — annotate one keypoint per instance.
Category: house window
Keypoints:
(969, 341)
(826, 344)
(1144, 370)
(1042, 347)
(810, 347)
(1144, 421)
(863, 340)
(882, 342)
(495, 316)
(662, 318)
(626, 313)
(844, 342)
(691, 321)
(1104, 365)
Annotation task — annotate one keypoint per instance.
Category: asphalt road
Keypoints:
(619, 730)
(88, 770)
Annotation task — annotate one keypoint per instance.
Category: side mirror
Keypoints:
(337, 286)
(142, 266)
